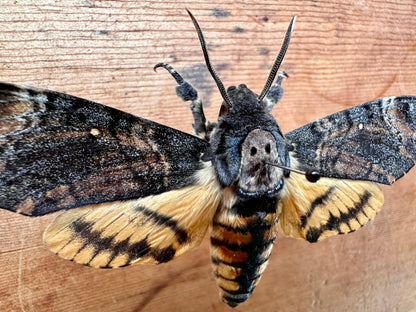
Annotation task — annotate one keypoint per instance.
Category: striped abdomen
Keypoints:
(241, 243)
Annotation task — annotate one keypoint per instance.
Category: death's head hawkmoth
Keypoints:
(135, 191)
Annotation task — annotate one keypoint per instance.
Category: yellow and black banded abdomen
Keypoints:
(241, 243)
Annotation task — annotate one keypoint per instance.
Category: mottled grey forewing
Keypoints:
(374, 141)
(58, 151)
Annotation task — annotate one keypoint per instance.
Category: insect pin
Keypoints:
(135, 191)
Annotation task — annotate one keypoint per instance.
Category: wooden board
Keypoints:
(342, 54)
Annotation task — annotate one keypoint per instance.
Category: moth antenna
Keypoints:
(311, 175)
(212, 71)
(278, 59)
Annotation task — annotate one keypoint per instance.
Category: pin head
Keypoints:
(312, 175)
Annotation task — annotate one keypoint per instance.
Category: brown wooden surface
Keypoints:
(343, 53)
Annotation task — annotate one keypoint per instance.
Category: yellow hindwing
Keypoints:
(152, 229)
(314, 211)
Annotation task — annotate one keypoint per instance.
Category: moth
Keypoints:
(135, 191)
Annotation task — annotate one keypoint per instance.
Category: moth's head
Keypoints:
(244, 101)
(245, 143)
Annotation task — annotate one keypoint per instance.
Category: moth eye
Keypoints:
(253, 151)
(267, 148)
(223, 110)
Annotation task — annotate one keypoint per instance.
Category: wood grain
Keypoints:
(342, 54)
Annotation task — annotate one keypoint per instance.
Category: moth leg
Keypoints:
(202, 127)
(275, 93)
(186, 92)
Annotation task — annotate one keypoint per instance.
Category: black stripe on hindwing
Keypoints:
(314, 211)
(95, 239)
(333, 223)
(158, 219)
(134, 250)
(321, 200)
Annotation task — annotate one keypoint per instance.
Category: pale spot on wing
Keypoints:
(95, 132)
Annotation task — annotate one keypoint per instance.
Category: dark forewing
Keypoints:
(374, 141)
(58, 151)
